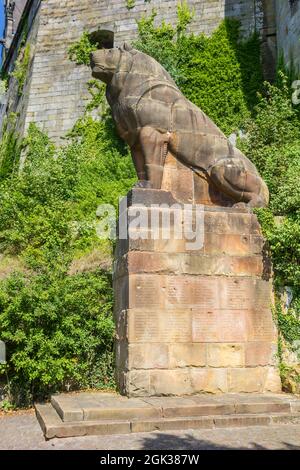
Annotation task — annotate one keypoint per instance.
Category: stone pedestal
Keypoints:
(193, 320)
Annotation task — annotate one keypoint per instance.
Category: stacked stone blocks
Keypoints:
(192, 321)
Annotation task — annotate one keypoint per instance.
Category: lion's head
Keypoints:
(104, 63)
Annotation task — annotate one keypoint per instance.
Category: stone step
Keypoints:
(90, 407)
(104, 414)
(53, 426)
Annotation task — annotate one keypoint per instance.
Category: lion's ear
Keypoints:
(128, 48)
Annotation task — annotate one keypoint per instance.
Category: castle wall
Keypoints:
(288, 31)
(269, 39)
(57, 95)
(14, 102)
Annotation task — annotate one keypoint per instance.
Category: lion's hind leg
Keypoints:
(232, 177)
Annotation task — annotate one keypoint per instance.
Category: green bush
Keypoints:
(273, 144)
(59, 332)
(57, 320)
(10, 150)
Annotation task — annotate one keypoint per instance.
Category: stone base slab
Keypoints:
(188, 381)
(103, 414)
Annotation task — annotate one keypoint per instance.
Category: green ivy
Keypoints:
(10, 149)
(130, 4)
(97, 91)
(80, 51)
(21, 69)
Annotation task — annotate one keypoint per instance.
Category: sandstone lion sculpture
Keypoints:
(154, 118)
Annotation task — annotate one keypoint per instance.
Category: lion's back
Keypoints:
(150, 97)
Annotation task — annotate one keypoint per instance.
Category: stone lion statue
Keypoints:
(154, 118)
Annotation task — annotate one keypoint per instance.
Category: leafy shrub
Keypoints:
(273, 144)
(10, 149)
(59, 332)
(57, 320)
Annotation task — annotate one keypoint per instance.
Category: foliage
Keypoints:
(290, 378)
(130, 4)
(81, 50)
(289, 324)
(58, 327)
(3, 86)
(221, 74)
(185, 17)
(21, 68)
(59, 332)
(273, 144)
(97, 92)
(6, 406)
(9, 148)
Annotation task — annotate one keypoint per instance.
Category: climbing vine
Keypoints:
(130, 4)
(80, 51)
(21, 69)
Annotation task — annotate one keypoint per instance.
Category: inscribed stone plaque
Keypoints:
(216, 223)
(237, 294)
(192, 291)
(146, 292)
(219, 325)
(260, 326)
(262, 297)
(168, 326)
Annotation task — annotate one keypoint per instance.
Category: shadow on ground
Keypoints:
(163, 441)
